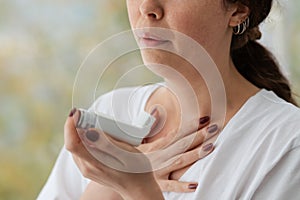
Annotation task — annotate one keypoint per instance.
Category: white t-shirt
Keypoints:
(256, 156)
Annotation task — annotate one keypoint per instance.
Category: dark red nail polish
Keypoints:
(153, 111)
(212, 128)
(208, 147)
(193, 186)
(204, 120)
(72, 112)
(92, 136)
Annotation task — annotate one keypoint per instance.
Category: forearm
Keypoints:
(95, 191)
(148, 191)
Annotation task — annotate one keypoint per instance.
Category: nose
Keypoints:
(152, 9)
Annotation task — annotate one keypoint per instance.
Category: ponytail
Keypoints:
(258, 66)
(252, 60)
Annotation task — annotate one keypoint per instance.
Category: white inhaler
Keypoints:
(130, 133)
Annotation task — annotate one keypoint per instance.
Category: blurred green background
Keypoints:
(42, 44)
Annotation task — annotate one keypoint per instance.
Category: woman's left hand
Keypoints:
(111, 163)
(170, 160)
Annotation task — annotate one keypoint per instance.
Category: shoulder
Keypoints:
(267, 118)
(124, 102)
(278, 117)
(284, 112)
(65, 180)
(124, 95)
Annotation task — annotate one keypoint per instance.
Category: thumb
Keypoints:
(155, 113)
(154, 129)
(177, 186)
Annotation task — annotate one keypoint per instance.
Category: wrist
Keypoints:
(145, 188)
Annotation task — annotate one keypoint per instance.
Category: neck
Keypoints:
(220, 99)
(202, 86)
(190, 99)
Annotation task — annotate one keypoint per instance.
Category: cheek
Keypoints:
(206, 20)
(195, 28)
(133, 12)
(203, 29)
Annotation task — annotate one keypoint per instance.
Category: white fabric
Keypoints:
(65, 181)
(257, 154)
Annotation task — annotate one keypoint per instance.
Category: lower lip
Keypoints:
(151, 42)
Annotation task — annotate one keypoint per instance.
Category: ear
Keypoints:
(239, 14)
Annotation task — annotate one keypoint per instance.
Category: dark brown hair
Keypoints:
(253, 60)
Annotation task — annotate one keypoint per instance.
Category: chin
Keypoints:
(152, 56)
(161, 63)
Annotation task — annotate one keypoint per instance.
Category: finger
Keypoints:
(165, 156)
(160, 115)
(71, 137)
(188, 158)
(191, 141)
(116, 154)
(203, 121)
(182, 160)
(205, 150)
(103, 148)
(91, 168)
(181, 146)
(155, 114)
(211, 131)
(81, 156)
(160, 143)
(179, 167)
(102, 141)
(175, 135)
(160, 158)
(177, 186)
(176, 165)
(183, 131)
(198, 138)
(176, 175)
(73, 141)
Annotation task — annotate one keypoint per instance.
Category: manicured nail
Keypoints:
(193, 186)
(153, 111)
(208, 147)
(73, 111)
(92, 136)
(212, 128)
(204, 120)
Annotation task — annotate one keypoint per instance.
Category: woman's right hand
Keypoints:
(171, 160)
(167, 176)
(109, 162)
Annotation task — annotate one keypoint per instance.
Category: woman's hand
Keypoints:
(118, 162)
(115, 164)
(171, 159)
(95, 191)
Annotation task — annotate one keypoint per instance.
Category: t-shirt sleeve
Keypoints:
(65, 181)
(283, 181)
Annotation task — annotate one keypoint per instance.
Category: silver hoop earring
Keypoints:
(242, 27)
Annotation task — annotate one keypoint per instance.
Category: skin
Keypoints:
(210, 24)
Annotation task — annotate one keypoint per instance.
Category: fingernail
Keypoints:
(153, 111)
(212, 128)
(204, 120)
(92, 136)
(208, 147)
(193, 186)
(72, 112)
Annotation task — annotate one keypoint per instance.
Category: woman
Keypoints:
(257, 150)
